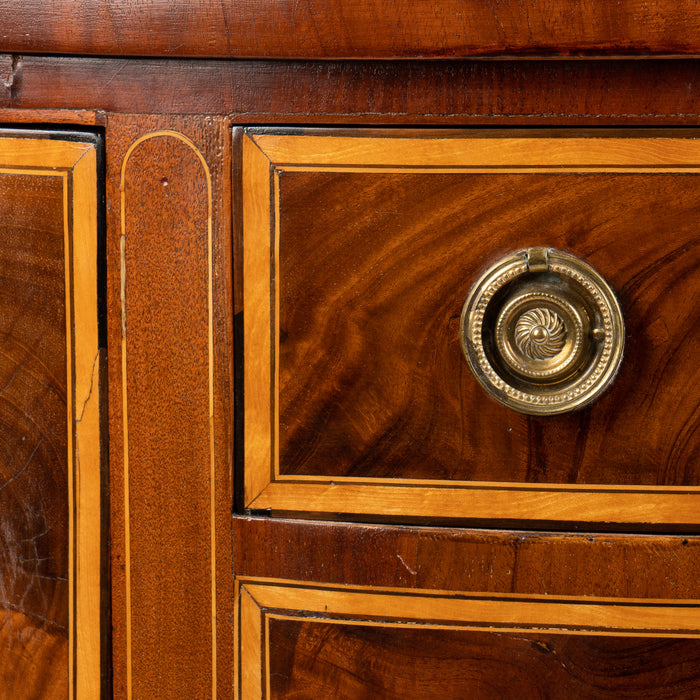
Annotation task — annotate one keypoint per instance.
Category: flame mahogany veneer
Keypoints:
(200, 598)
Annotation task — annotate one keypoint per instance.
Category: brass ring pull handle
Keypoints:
(542, 332)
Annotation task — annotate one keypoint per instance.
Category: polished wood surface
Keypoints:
(34, 465)
(171, 480)
(51, 564)
(163, 411)
(88, 378)
(631, 566)
(351, 28)
(294, 598)
(523, 92)
(369, 388)
(319, 660)
(257, 348)
(360, 642)
(381, 277)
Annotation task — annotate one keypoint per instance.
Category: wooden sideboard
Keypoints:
(244, 455)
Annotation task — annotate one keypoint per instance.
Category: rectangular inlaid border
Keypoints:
(75, 163)
(260, 600)
(267, 153)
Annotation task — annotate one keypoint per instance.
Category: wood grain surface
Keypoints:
(170, 389)
(50, 570)
(375, 239)
(351, 28)
(316, 660)
(171, 474)
(454, 559)
(455, 92)
(90, 633)
(356, 642)
(33, 439)
(372, 378)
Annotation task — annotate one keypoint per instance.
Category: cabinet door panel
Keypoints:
(49, 418)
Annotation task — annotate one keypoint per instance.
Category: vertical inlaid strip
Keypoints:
(251, 646)
(127, 323)
(275, 328)
(257, 319)
(86, 411)
(125, 438)
(70, 421)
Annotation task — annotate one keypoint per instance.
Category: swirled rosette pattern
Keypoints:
(540, 334)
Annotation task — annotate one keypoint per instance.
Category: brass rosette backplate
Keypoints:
(542, 332)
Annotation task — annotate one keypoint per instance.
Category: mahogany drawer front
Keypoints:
(337, 641)
(359, 251)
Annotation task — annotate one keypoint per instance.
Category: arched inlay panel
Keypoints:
(167, 387)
